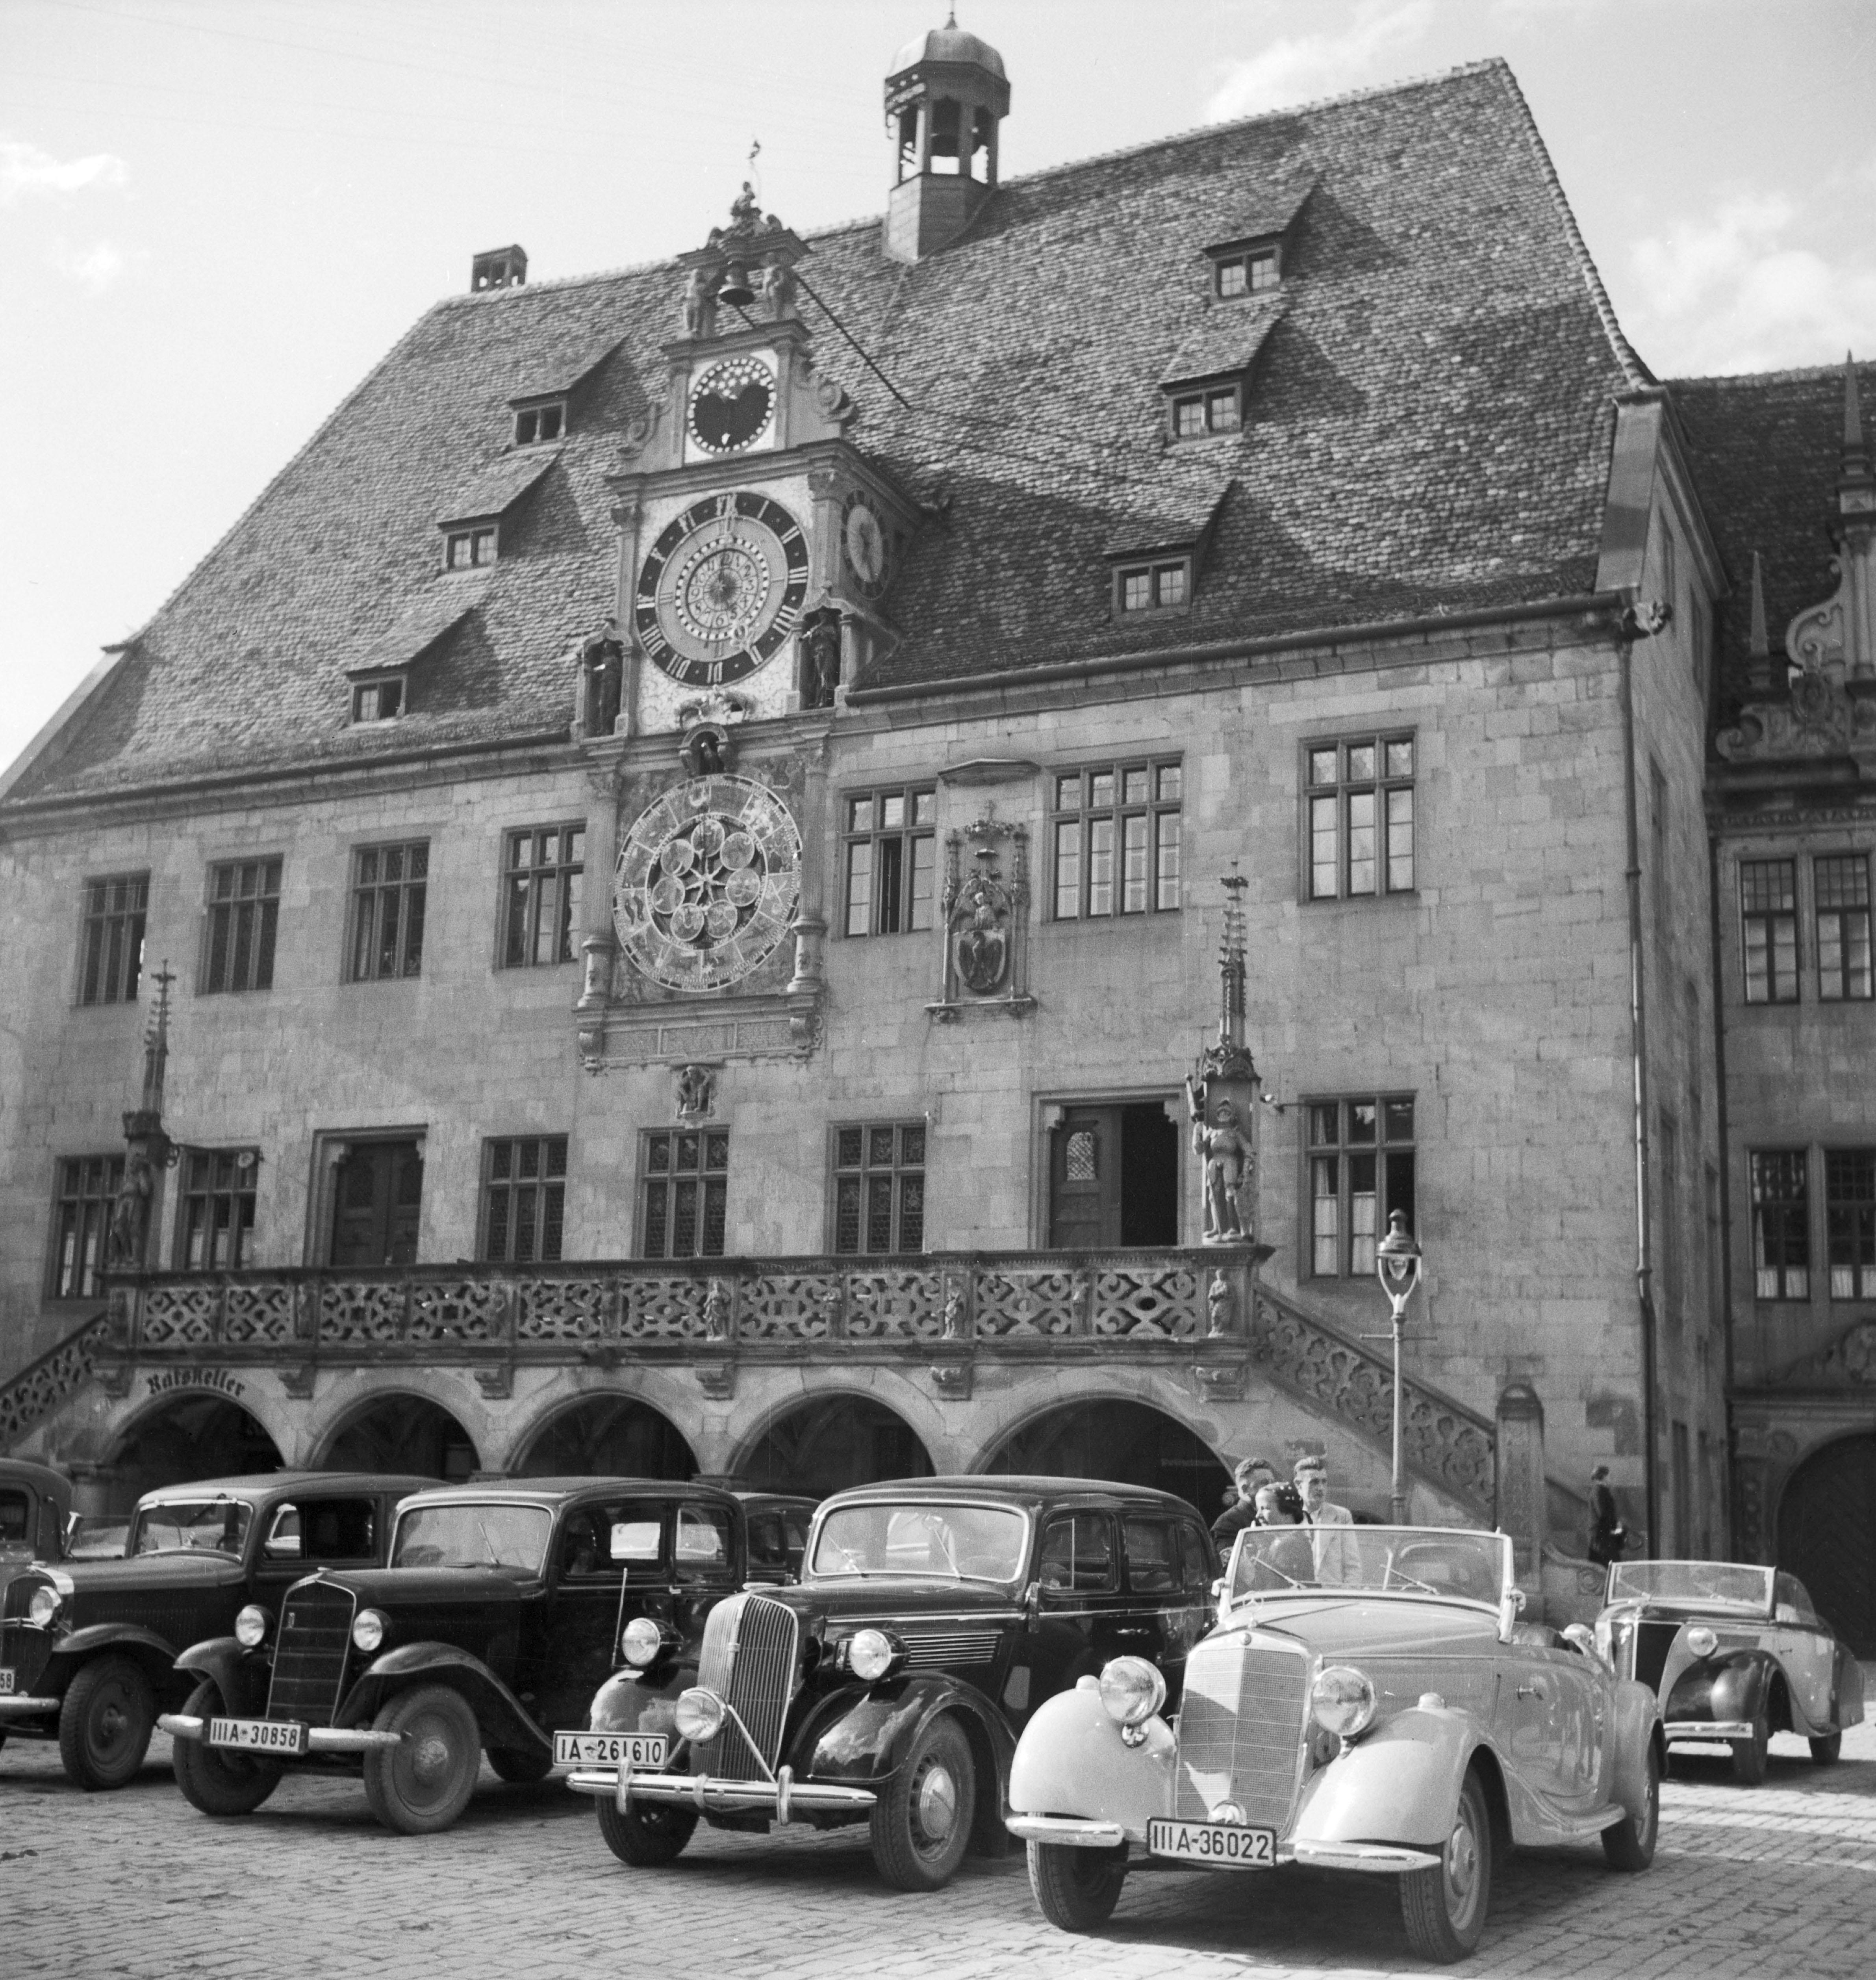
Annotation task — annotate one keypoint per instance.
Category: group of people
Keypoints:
(1264, 1500)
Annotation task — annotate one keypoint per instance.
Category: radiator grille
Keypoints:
(1240, 1732)
(950, 1649)
(310, 1653)
(26, 1652)
(748, 1660)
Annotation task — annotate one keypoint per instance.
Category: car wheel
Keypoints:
(921, 1823)
(1749, 1755)
(511, 1764)
(1630, 1844)
(1443, 1907)
(106, 1723)
(213, 1780)
(424, 1782)
(646, 1835)
(1076, 1889)
(1826, 1751)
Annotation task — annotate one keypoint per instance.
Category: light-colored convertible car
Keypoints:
(1368, 1701)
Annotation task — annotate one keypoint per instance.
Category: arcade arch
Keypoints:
(829, 1441)
(185, 1437)
(1134, 1443)
(402, 1433)
(605, 1435)
(1827, 1535)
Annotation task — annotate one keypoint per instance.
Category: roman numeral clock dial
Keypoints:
(721, 589)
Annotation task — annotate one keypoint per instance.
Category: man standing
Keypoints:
(1336, 1560)
(1251, 1474)
(1607, 1533)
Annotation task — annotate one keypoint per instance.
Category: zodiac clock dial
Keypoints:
(721, 589)
(731, 405)
(708, 880)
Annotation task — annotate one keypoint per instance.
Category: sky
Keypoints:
(216, 215)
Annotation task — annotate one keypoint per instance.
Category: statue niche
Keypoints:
(984, 953)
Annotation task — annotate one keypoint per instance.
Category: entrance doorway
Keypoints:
(377, 1193)
(829, 1442)
(1114, 1178)
(1131, 1443)
(195, 1437)
(608, 1437)
(404, 1434)
(1827, 1537)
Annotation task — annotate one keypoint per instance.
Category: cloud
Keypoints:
(96, 267)
(1301, 68)
(1741, 290)
(24, 169)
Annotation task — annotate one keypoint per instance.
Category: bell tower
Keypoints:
(945, 96)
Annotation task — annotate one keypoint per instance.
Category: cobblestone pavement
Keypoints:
(1776, 1881)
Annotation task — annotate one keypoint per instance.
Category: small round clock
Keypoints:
(708, 882)
(721, 589)
(731, 405)
(863, 543)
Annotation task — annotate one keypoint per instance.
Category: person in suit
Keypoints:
(1250, 1476)
(1335, 1559)
(1607, 1533)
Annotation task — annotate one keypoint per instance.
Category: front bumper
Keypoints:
(1068, 1832)
(780, 1797)
(319, 1739)
(1709, 1728)
(14, 1706)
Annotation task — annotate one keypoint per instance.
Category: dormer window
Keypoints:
(378, 698)
(466, 549)
(1250, 274)
(1153, 587)
(539, 422)
(1218, 409)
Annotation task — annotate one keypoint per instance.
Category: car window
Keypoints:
(768, 1544)
(1197, 1571)
(703, 1540)
(16, 1521)
(1078, 1554)
(338, 1529)
(192, 1525)
(282, 1540)
(794, 1526)
(588, 1547)
(1791, 1603)
(1151, 1566)
(479, 1534)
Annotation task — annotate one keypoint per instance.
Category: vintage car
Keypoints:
(88, 1648)
(1368, 1701)
(1734, 1653)
(777, 1523)
(35, 1508)
(500, 1612)
(934, 1617)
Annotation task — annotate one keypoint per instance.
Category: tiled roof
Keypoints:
(493, 490)
(1270, 213)
(1765, 452)
(452, 597)
(1224, 340)
(1174, 520)
(1430, 431)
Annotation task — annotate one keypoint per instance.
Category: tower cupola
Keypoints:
(945, 96)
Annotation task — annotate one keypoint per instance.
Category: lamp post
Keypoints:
(1397, 1265)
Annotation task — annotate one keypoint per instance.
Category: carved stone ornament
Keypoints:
(718, 1381)
(716, 1310)
(1220, 1383)
(1849, 1360)
(497, 1384)
(298, 1382)
(1221, 1307)
(951, 1379)
(640, 431)
(1819, 717)
(982, 922)
(707, 883)
(696, 1094)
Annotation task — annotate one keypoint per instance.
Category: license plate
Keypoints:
(607, 1749)
(258, 1735)
(6, 1680)
(1213, 1842)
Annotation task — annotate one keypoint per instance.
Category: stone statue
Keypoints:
(1225, 1149)
(1220, 1306)
(696, 1091)
(601, 662)
(745, 210)
(716, 1310)
(983, 946)
(777, 287)
(954, 1314)
(130, 1214)
(700, 302)
(820, 642)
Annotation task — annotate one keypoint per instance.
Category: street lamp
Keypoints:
(1397, 1266)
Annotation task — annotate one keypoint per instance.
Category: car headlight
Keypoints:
(870, 1654)
(1131, 1690)
(368, 1628)
(43, 1608)
(643, 1642)
(699, 1714)
(1342, 1701)
(250, 1627)
(1702, 1640)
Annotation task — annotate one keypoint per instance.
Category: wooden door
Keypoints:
(378, 1193)
(1084, 1180)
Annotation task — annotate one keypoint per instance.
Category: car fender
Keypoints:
(1846, 1688)
(88, 1642)
(1399, 1783)
(503, 1720)
(1072, 1761)
(1636, 1732)
(237, 1673)
(864, 1734)
(1735, 1686)
(640, 1702)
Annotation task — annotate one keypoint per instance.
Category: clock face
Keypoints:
(863, 539)
(708, 881)
(721, 589)
(732, 404)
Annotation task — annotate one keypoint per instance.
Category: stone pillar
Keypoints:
(810, 923)
(1522, 1500)
(599, 943)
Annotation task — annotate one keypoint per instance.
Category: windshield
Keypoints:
(1703, 1584)
(192, 1525)
(961, 1543)
(1380, 1560)
(97, 1535)
(472, 1536)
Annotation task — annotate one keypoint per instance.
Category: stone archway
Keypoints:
(1112, 1437)
(605, 1435)
(187, 1436)
(1827, 1535)
(403, 1432)
(830, 1440)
